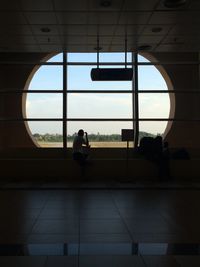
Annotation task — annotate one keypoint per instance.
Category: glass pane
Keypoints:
(56, 58)
(155, 105)
(99, 105)
(115, 57)
(103, 57)
(152, 128)
(100, 134)
(79, 79)
(46, 134)
(47, 78)
(149, 78)
(40, 105)
(142, 59)
(82, 57)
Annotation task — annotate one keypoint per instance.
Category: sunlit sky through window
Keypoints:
(49, 105)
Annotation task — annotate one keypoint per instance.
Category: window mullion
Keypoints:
(136, 103)
(64, 100)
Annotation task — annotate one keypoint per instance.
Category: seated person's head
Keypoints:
(81, 132)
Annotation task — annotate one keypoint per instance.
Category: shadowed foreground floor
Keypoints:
(100, 227)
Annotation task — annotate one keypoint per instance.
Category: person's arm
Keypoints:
(86, 139)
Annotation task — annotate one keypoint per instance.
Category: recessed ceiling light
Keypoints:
(105, 3)
(45, 29)
(144, 47)
(156, 29)
(174, 3)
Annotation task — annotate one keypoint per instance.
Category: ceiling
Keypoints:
(57, 25)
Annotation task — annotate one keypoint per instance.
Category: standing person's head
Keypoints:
(81, 132)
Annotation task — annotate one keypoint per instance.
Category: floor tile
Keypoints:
(62, 204)
(59, 213)
(55, 227)
(99, 214)
(110, 261)
(185, 261)
(102, 227)
(23, 261)
(62, 261)
(23, 226)
(161, 238)
(122, 248)
(150, 226)
(52, 238)
(160, 261)
(105, 238)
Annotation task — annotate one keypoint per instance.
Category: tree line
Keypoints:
(92, 137)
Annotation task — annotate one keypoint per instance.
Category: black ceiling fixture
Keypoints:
(105, 3)
(144, 47)
(45, 29)
(156, 29)
(111, 74)
(174, 3)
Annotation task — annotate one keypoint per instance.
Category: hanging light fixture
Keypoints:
(111, 74)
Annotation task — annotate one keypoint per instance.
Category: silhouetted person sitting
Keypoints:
(80, 144)
(156, 151)
(164, 163)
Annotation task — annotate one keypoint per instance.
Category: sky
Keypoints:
(96, 105)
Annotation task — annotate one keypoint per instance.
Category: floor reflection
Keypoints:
(67, 249)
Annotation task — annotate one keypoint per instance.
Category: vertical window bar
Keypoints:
(136, 100)
(64, 100)
(133, 94)
(125, 50)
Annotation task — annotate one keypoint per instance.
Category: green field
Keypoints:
(92, 144)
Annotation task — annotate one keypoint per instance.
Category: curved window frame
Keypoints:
(135, 120)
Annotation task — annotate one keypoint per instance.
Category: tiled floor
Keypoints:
(100, 227)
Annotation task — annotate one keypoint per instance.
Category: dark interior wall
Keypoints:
(183, 77)
(15, 76)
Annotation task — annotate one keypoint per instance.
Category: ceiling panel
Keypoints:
(50, 48)
(174, 39)
(103, 18)
(129, 29)
(15, 29)
(18, 39)
(50, 39)
(161, 6)
(75, 39)
(194, 5)
(169, 48)
(11, 18)
(41, 17)
(73, 29)
(104, 40)
(37, 29)
(77, 23)
(72, 17)
(78, 5)
(140, 5)
(30, 5)
(116, 5)
(165, 17)
(23, 48)
(150, 39)
(105, 29)
(134, 17)
(185, 29)
(9, 5)
(156, 29)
